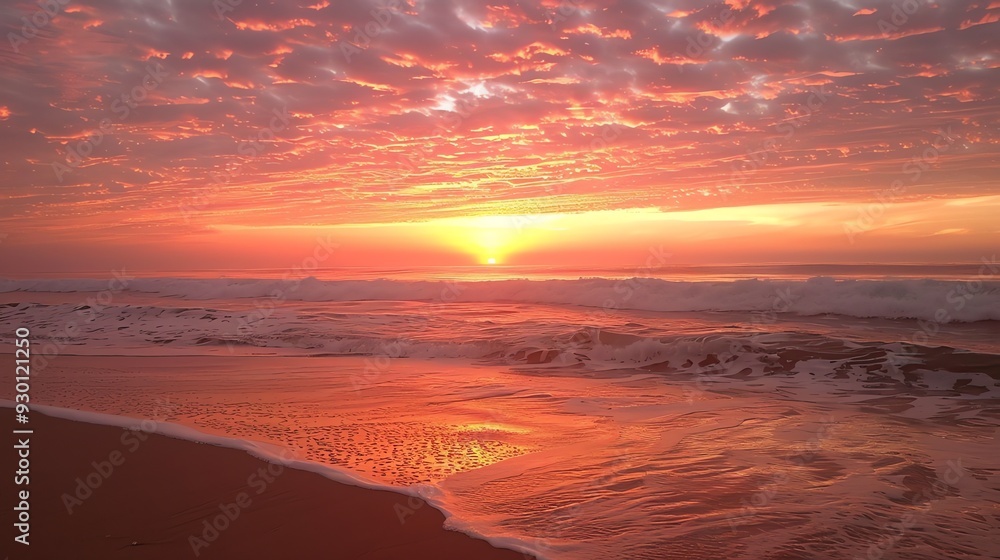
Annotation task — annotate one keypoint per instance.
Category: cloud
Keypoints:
(435, 108)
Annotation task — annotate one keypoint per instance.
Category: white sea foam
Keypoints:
(430, 493)
(937, 300)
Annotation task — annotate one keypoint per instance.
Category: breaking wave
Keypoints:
(941, 301)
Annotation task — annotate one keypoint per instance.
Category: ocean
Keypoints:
(822, 411)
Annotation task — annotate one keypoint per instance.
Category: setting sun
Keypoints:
(560, 279)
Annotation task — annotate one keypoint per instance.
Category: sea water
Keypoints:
(691, 415)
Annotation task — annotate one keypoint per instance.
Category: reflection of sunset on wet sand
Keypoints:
(463, 279)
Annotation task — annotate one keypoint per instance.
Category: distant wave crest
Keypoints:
(931, 300)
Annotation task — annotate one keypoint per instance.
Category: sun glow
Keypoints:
(492, 239)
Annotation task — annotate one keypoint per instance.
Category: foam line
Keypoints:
(433, 495)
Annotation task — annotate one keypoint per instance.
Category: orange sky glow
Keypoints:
(181, 136)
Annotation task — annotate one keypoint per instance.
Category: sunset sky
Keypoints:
(190, 134)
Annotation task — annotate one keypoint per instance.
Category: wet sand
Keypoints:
(104, 492)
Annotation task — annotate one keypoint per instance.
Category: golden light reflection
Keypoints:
(491, 427)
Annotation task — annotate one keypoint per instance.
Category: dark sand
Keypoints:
(164, 489)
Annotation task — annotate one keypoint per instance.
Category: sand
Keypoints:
(153, 497)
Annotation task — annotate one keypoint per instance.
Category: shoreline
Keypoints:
(100, 490)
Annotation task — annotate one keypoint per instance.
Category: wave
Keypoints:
(706, 356)
(940, 301)
(286, 457)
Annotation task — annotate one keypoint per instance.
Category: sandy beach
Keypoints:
(561, 280)
(104, 492)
